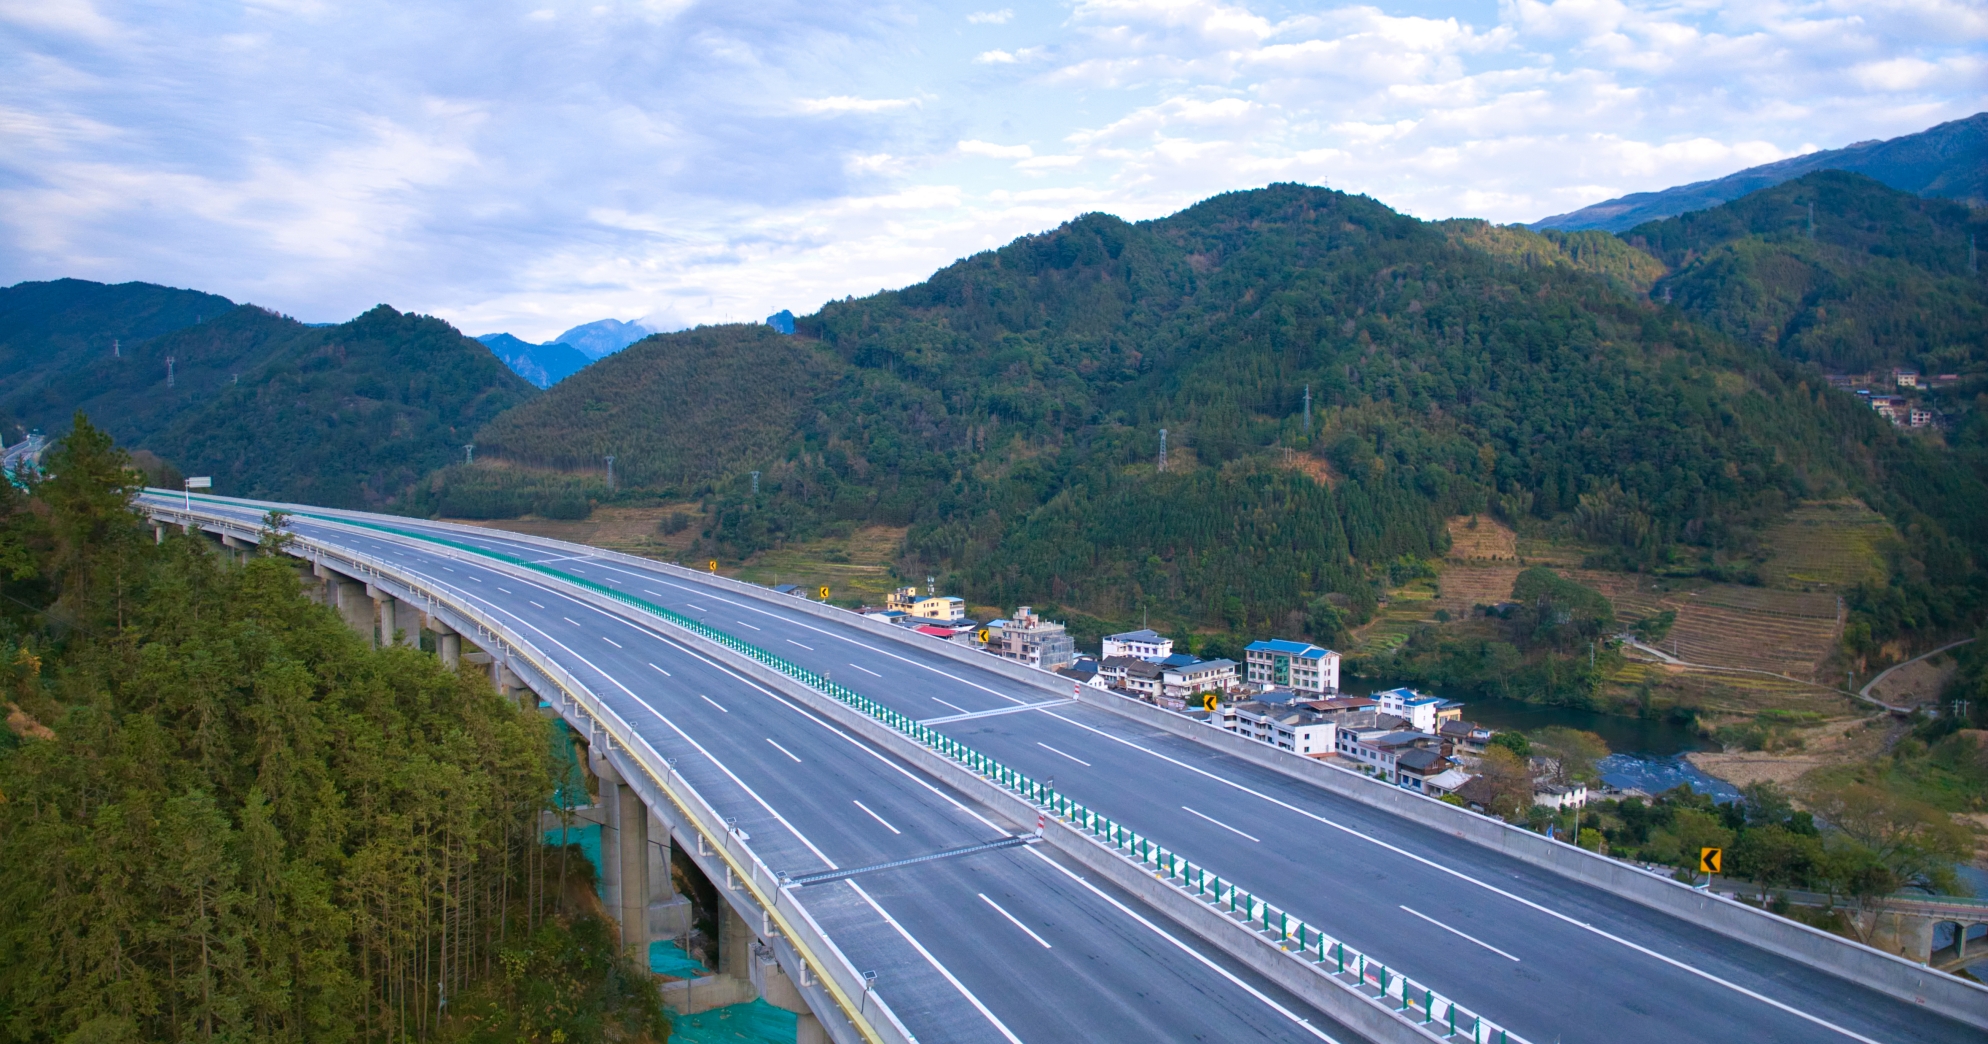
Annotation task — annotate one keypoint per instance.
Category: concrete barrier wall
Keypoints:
(1967, 1001)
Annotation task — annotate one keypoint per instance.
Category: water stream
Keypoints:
(1646, 754)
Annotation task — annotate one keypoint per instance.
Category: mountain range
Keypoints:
(1657, 395)
(542, 364)
(1948, 161)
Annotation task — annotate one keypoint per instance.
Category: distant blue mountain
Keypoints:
(1949, 161)
(542, 364)
(606, 337)
(782, 320)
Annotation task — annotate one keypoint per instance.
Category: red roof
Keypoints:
(936, 632)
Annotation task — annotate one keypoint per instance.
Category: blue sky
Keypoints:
(530, 166)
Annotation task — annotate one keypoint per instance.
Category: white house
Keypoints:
(1142, 644)
(1201, 676)
(1418, 710)
(1379, 752)
(1297, 730)
(1558, 797)
(1294, 665)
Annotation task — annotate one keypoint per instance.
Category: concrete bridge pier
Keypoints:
(397, 620)
(348, 596)
(448, 643)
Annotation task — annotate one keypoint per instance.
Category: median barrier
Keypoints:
(1963, 1000)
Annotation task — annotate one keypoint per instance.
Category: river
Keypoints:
(1644, 754)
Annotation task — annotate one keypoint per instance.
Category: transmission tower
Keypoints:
(610, 473)
(169, 371)
(1163, 449)
(1308, 409)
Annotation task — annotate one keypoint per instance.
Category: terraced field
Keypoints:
(1464, 586)
(1827, 546)
(1482, 538)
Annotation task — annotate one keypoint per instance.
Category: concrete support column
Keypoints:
(158, 533)
(735, 943)
(631, 822)
(352, 603)
(384, 608)
(448, 644)
(669, 913)
(809, 1030)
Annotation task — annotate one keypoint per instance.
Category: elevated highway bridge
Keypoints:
(919, 841)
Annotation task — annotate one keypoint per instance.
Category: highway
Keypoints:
(1549, 957)
(1004, 945)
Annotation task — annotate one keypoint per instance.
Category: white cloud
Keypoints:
(693, 161)
(988, 148)
(844, 103)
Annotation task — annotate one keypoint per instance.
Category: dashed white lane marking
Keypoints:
(666, 674)
(954, 706)
(1454, 932)
(790, 641)
(712, 702)
(610, 641)
(1012, 920)
(876, 817)
(1221, 824)
(1072, 757)
(866, 670)
(783, 750)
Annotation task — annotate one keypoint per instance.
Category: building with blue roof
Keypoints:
(1276, 663)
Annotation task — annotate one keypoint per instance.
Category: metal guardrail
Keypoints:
(1400, 993)
(857, 997)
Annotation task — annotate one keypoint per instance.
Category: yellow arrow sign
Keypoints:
(1709, 860)
(1209, 701)
(984, 635)
(713, 566)
(824, 592)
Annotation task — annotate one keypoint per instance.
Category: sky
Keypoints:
(530, 166)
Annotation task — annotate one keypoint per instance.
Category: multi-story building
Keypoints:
(944, 608)
(1030, 639)
(1179, 682)
(1381, 752)
(1138, 677)
(1423, 713)
(1304, 667)
(1295, 729)
(1144, 644)
(901, 600)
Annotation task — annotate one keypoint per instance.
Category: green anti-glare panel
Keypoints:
(667, 958)
(754, 1023)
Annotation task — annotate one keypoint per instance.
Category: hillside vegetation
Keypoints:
(348, 415)
(224, 817)
(1008, 410)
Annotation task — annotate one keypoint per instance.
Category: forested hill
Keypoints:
(1009, 410)
(1833, 269)
(347, 415)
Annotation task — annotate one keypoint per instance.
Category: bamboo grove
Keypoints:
(225, 816)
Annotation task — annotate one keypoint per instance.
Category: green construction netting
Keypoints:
(588, 837)
(570, 781)
(754, 1023)
(667, 958)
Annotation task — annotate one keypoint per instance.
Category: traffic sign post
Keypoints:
(1709, 861)
(203, 482)
(824, 592)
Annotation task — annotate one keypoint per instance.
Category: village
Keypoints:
(1905, 407)
(1285, 693)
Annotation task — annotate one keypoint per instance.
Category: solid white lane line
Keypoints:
(535, 604)
(1221, 824)
(1486, 885)
(866, 670)
(1454, 932)
(1072, 757)
(666, 674)
(742, 623)
(948, 798)
(876, 817)
(1011, 919)
(1184, 948)
(940, 968)
(954, 706)
(783, 750)
(712, 702)
(809, 648)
